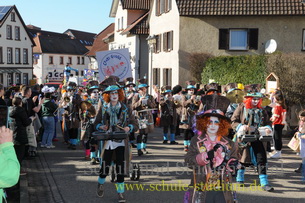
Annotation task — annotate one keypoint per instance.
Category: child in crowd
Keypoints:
(301, 135)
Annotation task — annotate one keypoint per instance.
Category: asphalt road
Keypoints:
(62, 175)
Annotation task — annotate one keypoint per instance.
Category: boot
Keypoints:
(240, 178)
(140, 153)
(100, 190)
(298, 170)
(265, 184)
(121, 197)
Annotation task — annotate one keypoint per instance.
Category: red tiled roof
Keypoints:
(138, 27)
(240, 7)
(136, 4)
(99, 44)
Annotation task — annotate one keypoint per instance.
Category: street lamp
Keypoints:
(151, 41)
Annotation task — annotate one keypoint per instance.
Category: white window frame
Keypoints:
(17, 33)
(8, 32)
(231, 33)
(25, 56)
(17, 55)
(9, 55)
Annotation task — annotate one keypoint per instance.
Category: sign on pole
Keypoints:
(115, 62)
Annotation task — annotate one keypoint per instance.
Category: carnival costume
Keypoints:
(112, 117)
(129, 94)
(252, 120)
(168, 115)
(213, 158)
(88, 111)
(67, 73)
(190, 108)
(143, 103)
(71, 116)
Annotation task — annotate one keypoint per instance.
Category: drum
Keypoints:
(249, 138)
(109, 135)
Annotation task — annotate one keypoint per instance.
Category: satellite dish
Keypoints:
(270, 46)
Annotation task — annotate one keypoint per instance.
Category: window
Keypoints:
(9, 55)
(82, 73)
(61, 60)
(78, 60)
(83, 60)
(50, 59)
(122, 23)
(9, 79)
(119, 27)
(163, 6)
(156, 76)
(17, 33)
(25, 78)
(17, 55)
(25, 56)
(168, 5)
(70, 60)
(238, 39)
(168, 41)
(1, 55)
(167, 76)
(18, 78)
(13, 17)
(8, 32)
(158, 44)
(1, 78)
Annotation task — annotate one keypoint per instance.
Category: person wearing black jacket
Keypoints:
(2, 102)
(19, 122)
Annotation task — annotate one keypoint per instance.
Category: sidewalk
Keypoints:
(62, 175)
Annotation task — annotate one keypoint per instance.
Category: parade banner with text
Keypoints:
(115, 62)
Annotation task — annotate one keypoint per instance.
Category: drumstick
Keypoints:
(120, 127)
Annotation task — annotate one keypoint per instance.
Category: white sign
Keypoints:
(272, 85)
(115, 62)
(55, 76)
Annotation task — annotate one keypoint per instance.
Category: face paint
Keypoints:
(190, 92)
(213, 126)
(255, 101)
(114, 96)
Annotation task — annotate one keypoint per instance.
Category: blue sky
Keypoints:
(60, 15)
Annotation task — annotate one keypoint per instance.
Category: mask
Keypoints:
(213, 126)
(254, 102)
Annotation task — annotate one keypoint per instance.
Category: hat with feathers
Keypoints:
(142, 83)
(129, 81)
(177, 89)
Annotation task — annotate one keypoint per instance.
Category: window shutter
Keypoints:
(170, 76)
(169, 5)
(253, 38)
(223, 38)
(165, 41)
(164, 76)
(157, 7)
(159, 43)
(171, 40)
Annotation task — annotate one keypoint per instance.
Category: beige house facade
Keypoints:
(220, 29)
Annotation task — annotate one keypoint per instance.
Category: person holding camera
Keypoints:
(9, 165)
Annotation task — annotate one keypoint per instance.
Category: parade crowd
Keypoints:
(225, 130)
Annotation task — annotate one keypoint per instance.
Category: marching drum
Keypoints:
(109, 135)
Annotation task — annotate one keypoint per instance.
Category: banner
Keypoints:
(114, 62)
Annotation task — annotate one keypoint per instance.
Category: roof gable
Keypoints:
(99, 44)
(138, 27)
(4, 13)
(136, 4)
(240, 7)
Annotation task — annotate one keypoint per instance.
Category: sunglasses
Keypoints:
(95, 91)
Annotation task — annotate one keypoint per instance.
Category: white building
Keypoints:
(164, 25)
(53, 52)
(16, 64)
(131, 31)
